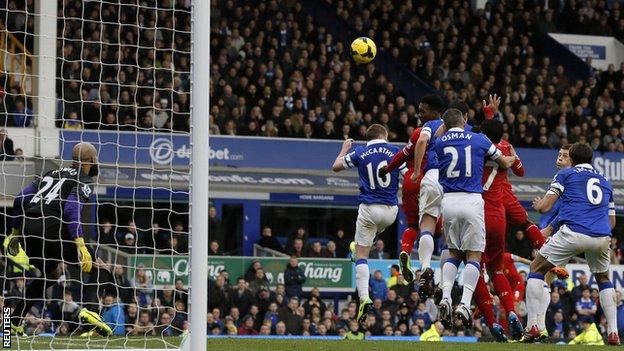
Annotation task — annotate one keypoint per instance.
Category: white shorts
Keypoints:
(430, 198)
(566, 244)
(464, 224)
(373, 219)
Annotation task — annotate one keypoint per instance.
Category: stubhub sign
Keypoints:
(162, 149)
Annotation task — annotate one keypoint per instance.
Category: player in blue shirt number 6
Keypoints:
(587, 216)
(378, 200)
(461, 156)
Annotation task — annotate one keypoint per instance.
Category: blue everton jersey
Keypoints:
(461, 157)
(430, 128)
(368, 160)
(586, 198)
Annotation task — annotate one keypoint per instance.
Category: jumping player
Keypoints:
(495, 226)
(48, 213)
(429, 109)
(461, 155)
(587, 216)
(378, 201)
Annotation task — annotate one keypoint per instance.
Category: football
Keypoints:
(363, 50)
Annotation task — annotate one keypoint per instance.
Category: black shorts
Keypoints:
(46, 243)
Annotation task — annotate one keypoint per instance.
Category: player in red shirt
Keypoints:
(430, 108)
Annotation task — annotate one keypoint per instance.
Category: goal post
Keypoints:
(200, 93)
(149, 173)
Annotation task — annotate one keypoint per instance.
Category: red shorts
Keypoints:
(495, 231)
(410, 193)
(515, 213)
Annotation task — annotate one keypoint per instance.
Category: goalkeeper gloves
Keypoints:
(83, 255)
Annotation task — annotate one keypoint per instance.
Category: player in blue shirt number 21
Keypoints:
(587, 216)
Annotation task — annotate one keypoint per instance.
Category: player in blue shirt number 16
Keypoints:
(587, 216)
(378, 200)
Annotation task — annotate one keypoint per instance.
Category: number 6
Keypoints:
(593, 186)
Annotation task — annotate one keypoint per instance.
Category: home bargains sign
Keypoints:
(326, 274)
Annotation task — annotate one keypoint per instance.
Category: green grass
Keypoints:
(226, 344)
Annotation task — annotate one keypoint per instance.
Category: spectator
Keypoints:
(106, 233)
(242, 297)
(589, 336)
(129, 244)
(144, 326)
(269, 241)
(581, 285)
(292, 320)
(297, 248)
(6, 146)
(294, 278)
(142, 283)
(316, 250)
(330, 250)
(586, 307)
(132, 317)
(434, 333)
(165, 328)
(378, 287)
(215, 228)
(341, 244)
(378, 251)
(72, 122)
(280, 328)
(251, 271)
(422, 314)
(354, 332)
(19, 155)
(259, 282)
(301, 235)
(247, 327)
(557, 323)
(214, 249)
(113, 314)
(519, 245)
(181, 294)
(22, 116)
(122, 284)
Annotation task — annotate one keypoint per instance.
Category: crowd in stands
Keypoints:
(132, 240)
(129, 306)
(276, 73)
(119, 66)
(251, 305)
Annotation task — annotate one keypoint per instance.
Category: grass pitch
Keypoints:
(233, 344)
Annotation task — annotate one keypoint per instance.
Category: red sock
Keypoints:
(484, 302)
(534, 235)
(503, 291)
(409, 237)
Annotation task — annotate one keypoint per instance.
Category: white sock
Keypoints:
(362, 275)
(425, 249)
(449, 272)
(609, 306)
(471, 276)
(545, 302)
(534, 295)
(444, 255)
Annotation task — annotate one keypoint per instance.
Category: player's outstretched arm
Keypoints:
(398, 160)
(545, 204)
(339, 163)
(419, 153)
(71, 215)
(517, 167)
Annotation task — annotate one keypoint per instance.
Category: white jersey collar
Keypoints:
(456, 129)
(585, 165)
(376, 141)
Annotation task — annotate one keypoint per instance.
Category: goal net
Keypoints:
(116, 74)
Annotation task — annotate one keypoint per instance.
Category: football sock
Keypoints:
(535, 235)
(362, 274)
(541, 321)
(425, 249)
(534, 296)
(407, 240)
(472, 271)
(609, 305)
(483, 299)
(449, 271)
(503, 291)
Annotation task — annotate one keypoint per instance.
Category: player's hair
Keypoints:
(581, 153)
(460, 105)
(376, 131)
(493, 129)
(434, 102)
(566, 147)
(453, 118)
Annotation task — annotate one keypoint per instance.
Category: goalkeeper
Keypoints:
(48, 214)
